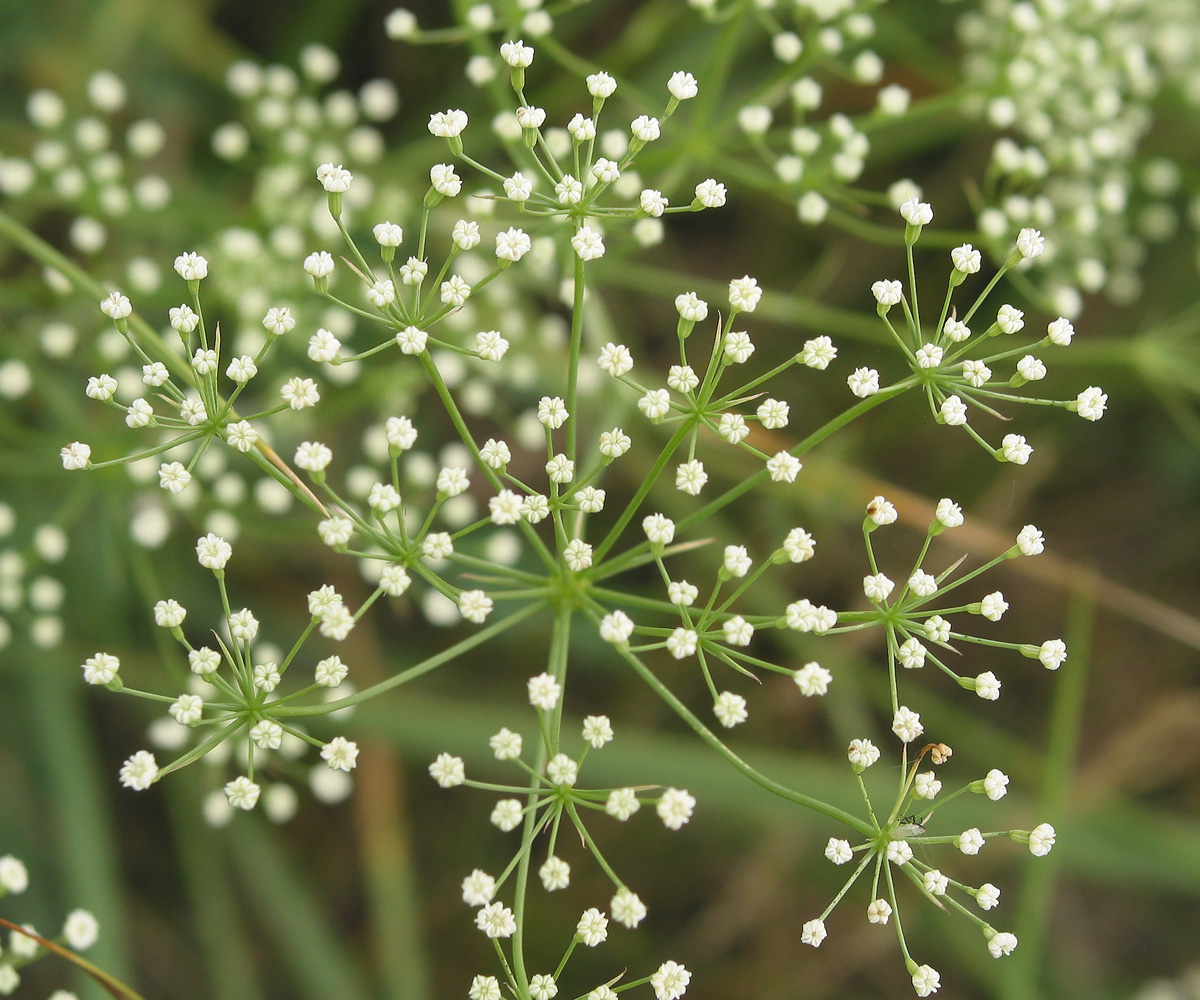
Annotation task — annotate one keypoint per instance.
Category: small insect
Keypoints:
(909, 827)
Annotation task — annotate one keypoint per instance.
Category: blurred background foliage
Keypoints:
(360, 899)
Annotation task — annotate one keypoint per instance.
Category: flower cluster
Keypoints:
(79, 931)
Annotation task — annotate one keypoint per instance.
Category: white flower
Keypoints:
(1053, 652)
(887, 293)
(496, 921)
(300, 393)
(569, 191)
(922, 584)
(592, 927)
(738, 347)
(203, 661)
(213, 552)
(155, 373)
(241, 369)
(139, 414)
(191, 267)
(517, 54)
(644, 128)
(555, 874)
(926, 785)
(670, 982)
(736, 560)
(862, 754)
(387, 234)
(242, 793)
(675, 807)
(413, 271)
(140, 771)
(1060, 332)
(956, 330)
(773, 414)
(877, 587)
(1090, 404)
(243, 625)
(907, 724)
(976, 373)
(682, 86)
(813, 932)
(587, 243)
(879, 911)
(738, 631)
(552, 412)
(454, 291)
(690, 477)
(988, 896)
(591, 500)
(916, 212)
(1002, 943)
(1014, 448)
(116, 306)
(654, 203)
(799, 545)
(1030, 542)
(804, 616)
(512, 244)
(1030, 243)
(601, 85)
(970, 841)
(911, 654)
(447, 124)
(169, 613)
(953, 411)
(1031, 369)
(659, 529)
(101, 387)
(682, 594)
(484, 987)
(615, 359)
(81, 930)
(506, 745)
(597, 730)
(1041, 840)
(622, 803)
(506, 507)
(935, 882)
(626, 908)
(863, 382)
(76, 455)
(614, 443)
(562, 770)
(578, 555)
(582, 129)
(323, 347)
(730, 709)
(812, 679)
(1010, 319)
(330, 672)
(560, 469)
(682, 642)
(818, 353)
(518, 187)
(732, 427)
(656, 404)
(987, 686)
(312, 456)
(530, 117)
(448, 770)
(926, 980)
(478, 888)
(616, 627)
(744, 293)
(544, 692)
(335, 180)
(838, 851)
(474, 606)
(340, 754)
(101, 668)
(451, 481)
(929, 356)
(710, 194)
(993, 606)
(444, 180)
(966, 259)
